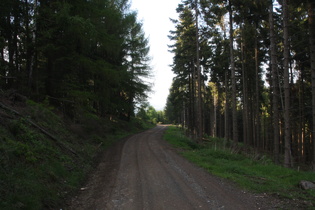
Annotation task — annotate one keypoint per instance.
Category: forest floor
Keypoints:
(45, 156)
(144, 172)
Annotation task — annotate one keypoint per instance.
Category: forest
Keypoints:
(245, 72)
(78, 56)
(74, 81)
(73, 76)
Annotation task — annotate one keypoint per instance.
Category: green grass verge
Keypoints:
(260, 176)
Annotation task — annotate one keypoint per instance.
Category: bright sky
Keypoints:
(155, 15)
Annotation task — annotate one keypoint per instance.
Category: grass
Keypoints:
(260, 176)
(38, 172)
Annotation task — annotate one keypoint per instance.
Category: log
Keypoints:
(39, 128)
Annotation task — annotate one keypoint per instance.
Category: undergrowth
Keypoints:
(259, 175)
(38, 171)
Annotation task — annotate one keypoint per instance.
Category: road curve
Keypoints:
(144, 172)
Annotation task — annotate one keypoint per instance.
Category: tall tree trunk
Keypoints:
(215, 104)
(199, 98)
(192, 99)
(34, 56)
(301, 138)
(232, 65)
(10, 46)
(275, 90)
(226, 131)
(16, 41)
(213, 109)
(245, 95)
(226, 108)
(311, 19)
(258, 142)
(287, 132)
(28, 39)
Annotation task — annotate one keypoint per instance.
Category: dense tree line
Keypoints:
(257, 74)
(148, 113)
(79, 55)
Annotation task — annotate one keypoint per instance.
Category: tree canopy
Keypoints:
(90, 55)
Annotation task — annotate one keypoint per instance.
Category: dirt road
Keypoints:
(144, 172)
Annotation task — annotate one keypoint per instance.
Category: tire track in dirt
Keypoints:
(148, 174)
(161, 190)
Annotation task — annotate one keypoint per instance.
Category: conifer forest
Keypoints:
(245, 72)
(77, 55)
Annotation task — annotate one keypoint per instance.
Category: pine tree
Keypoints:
(275, 91)
(184, 63)
(233, 77)
(137, 64)
(287, 132)
(199, 121)
(311, 19)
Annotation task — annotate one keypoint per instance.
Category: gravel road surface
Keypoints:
(145, 172)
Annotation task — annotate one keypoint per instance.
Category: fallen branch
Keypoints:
(205, 139)
(51, 136)
(9, 109)
(256, 177)
(39, 128)
(2, 114)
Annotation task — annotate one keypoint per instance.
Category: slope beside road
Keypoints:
(145, 172)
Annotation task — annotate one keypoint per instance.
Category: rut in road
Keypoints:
(149, 178)
(150, 175)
